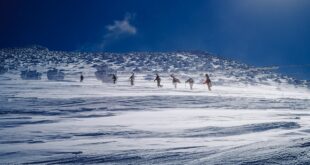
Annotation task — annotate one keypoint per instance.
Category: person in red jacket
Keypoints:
(208, 82)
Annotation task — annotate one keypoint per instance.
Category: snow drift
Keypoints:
(251, 116)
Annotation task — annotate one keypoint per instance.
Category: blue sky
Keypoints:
(258, 32)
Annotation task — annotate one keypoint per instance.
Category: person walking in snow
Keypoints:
(175, 81)
(114, 78)
(81, 77)
(191, 83)
(132, 79)
(208, 82)
(158, 79)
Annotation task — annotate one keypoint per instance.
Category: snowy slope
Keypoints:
(251, 116)
(223, 71)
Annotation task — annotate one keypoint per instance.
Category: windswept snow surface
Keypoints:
(251, 116)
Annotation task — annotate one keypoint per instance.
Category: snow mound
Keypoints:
(30, 75)
(3, 70)
(55, 74)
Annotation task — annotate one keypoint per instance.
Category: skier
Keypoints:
(175, 81)
(81, 77)
(191, 83)
(158, 81)
(114, 77)
(208, 82)
(132, 79)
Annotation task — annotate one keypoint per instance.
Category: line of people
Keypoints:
(175, 80)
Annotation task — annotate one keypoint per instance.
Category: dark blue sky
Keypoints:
(258, 32)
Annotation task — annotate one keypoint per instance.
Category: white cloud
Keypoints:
(117, 30)
(122, 27)
(113, 32)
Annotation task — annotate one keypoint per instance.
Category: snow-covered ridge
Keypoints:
(185, 64)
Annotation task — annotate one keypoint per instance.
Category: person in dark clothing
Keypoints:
(132, 79)
(208, 82)
(158, 81)
(175, 81)
(81, 77)
(191, 83)
(114, 78)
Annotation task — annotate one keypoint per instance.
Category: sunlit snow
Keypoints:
(251, 116)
